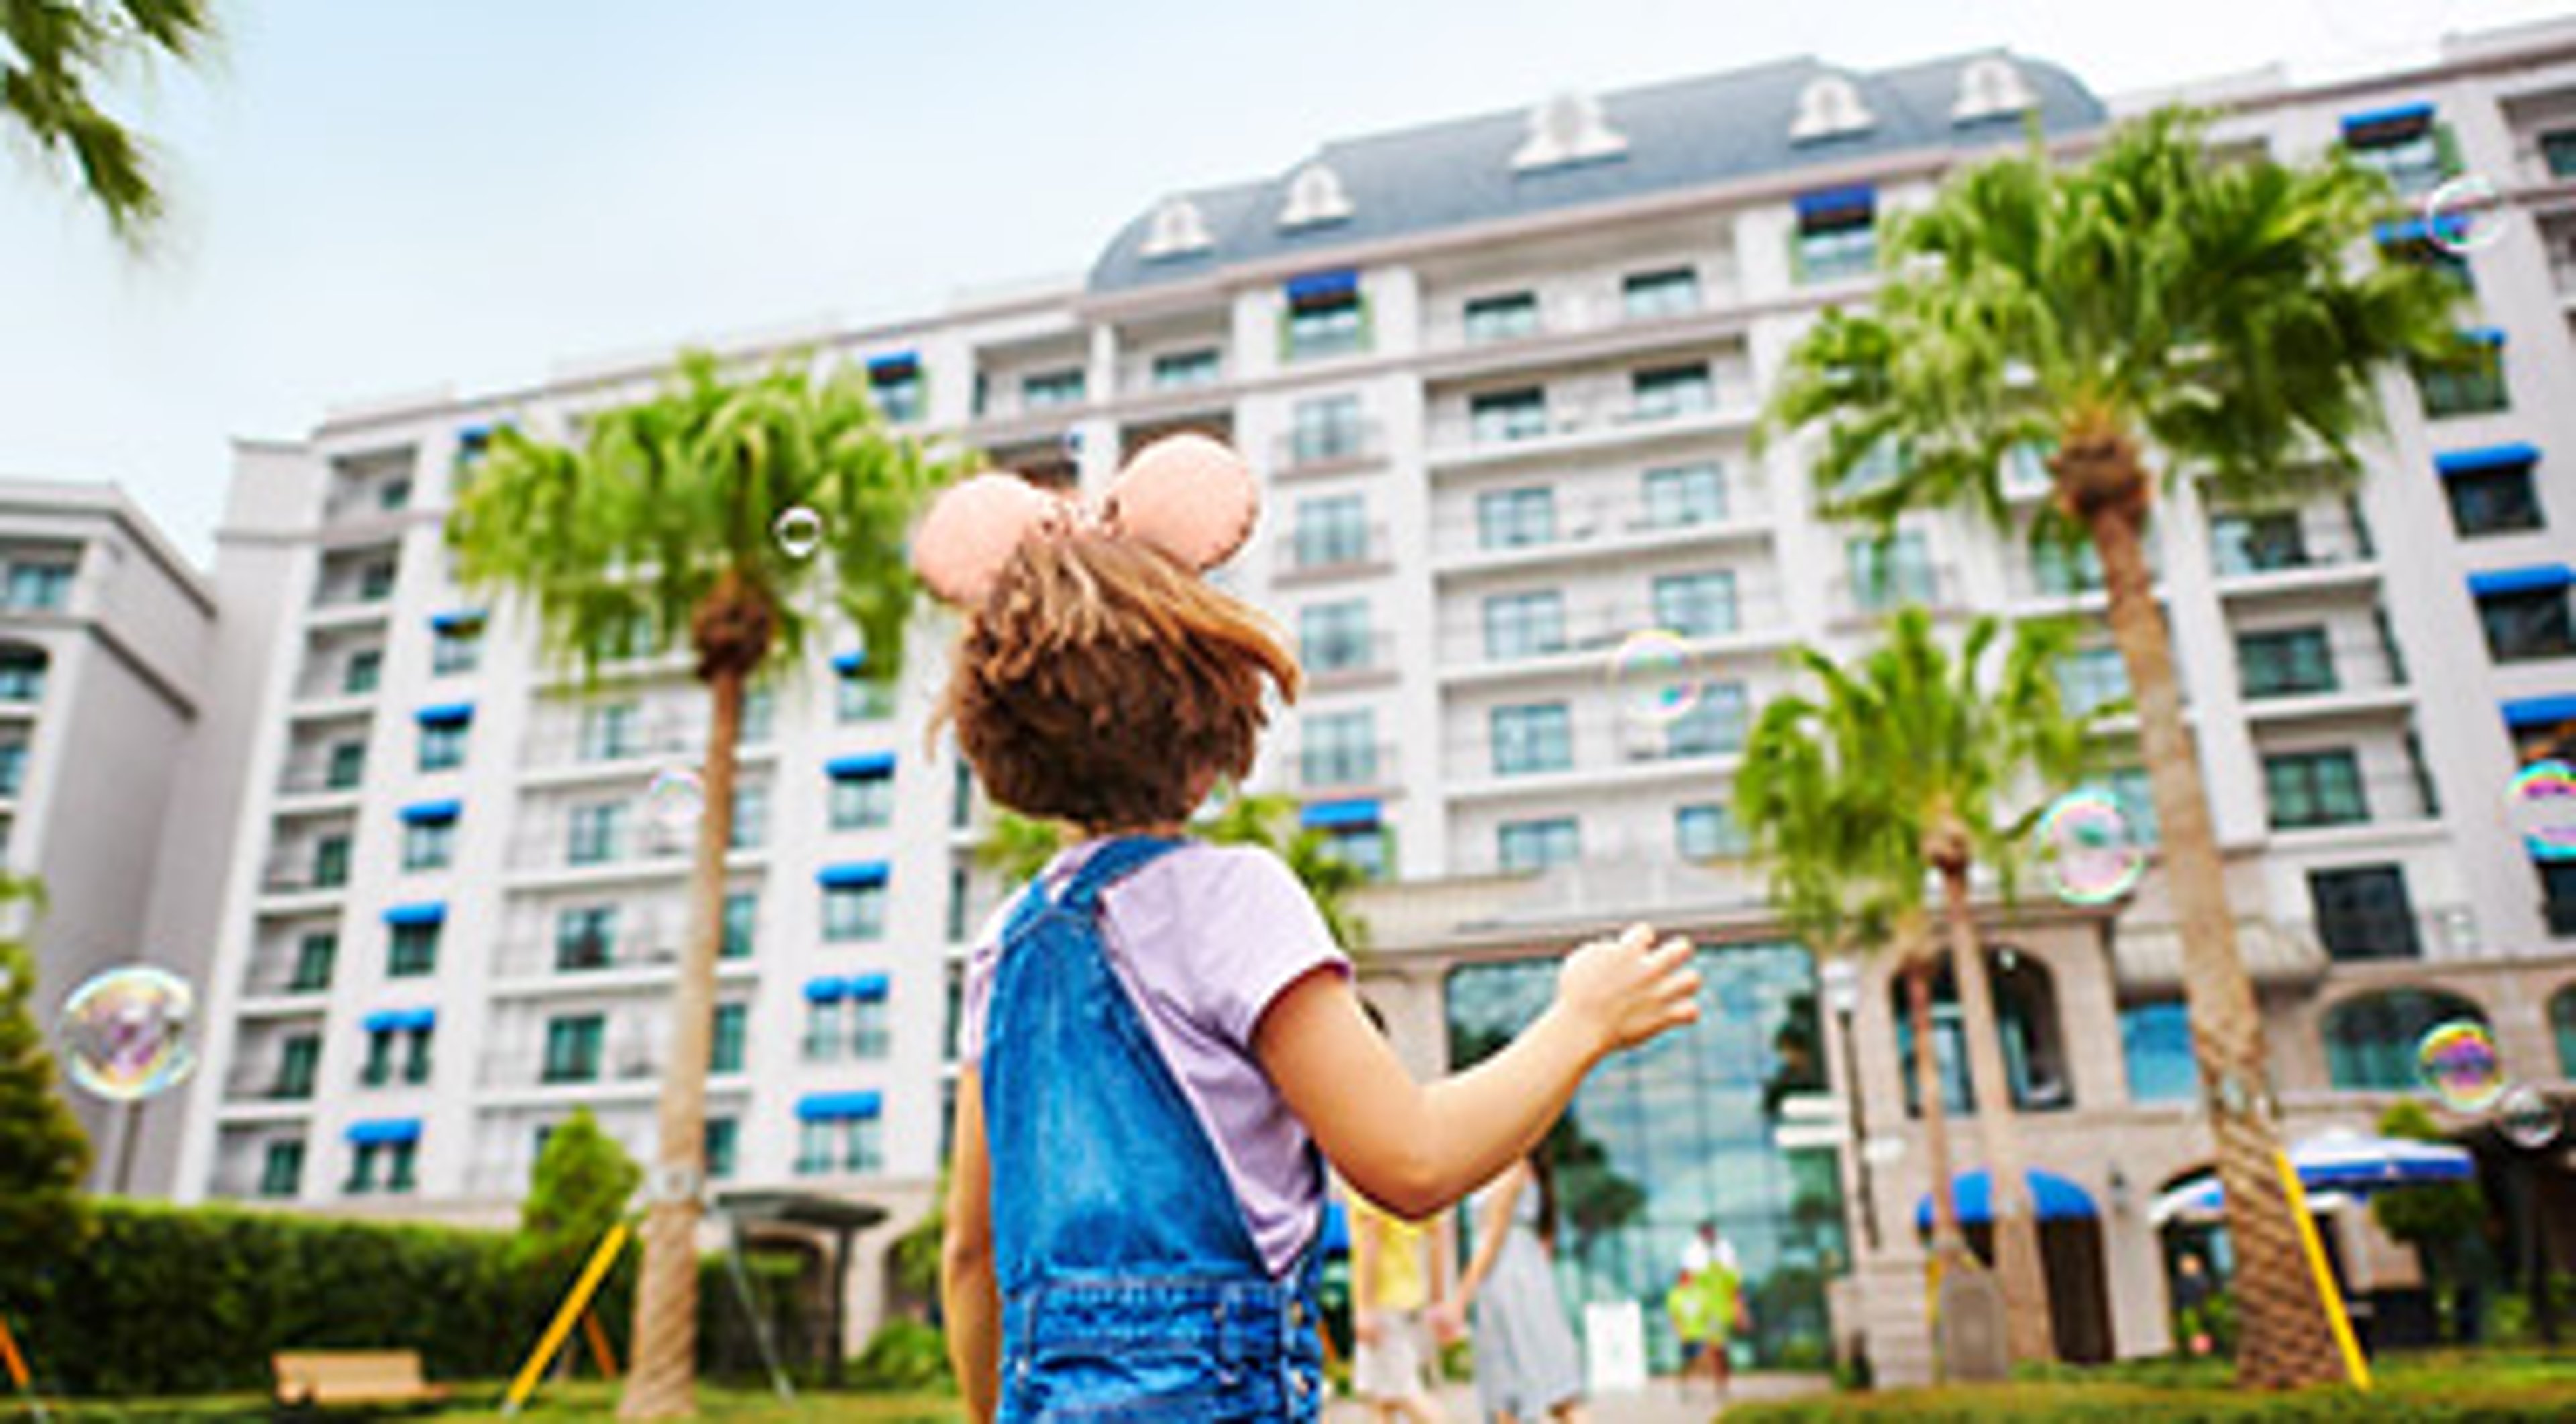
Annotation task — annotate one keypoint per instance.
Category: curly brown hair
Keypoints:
(1104, 684)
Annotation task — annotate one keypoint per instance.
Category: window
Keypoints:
(2371, 1039)
(347, 765)
(411, 951)
(1332, 531)
(724, 1146)
(22, 675)
(281, 1169)
(2311, 789)
(871, 1030)
(442, 745)
(362, 672)
(2558, 898)
(1366, 849)
(429, 843)
(314, 956)
(13, 767)
(455, 646)
(2287, 662)
(1648, 295)
(2063, 568)
(759, 716)
(1335, 637)
(1837, 236)
(2129, 790)
(1887, 574)
(1187, 370)
(416, 1063)
(393, 494)
(1707, 832)
(1527, 847)
(2089, 679)
(862, 799)
(1049, 390)
(1506, 316)
(1524, 625)
(724, 1052)
(1680, 496)
(2363, 913)
(854, 912)
(2470, 383)
(1668, 392)
(1324, 428)
(2562, 1026)
(2155, 1044)
(2405, 146)
(823, 1033)
(1533, 738)
(2025, 1004)
(861, 697)
(299, 1060)
(2525, 624)
(2558, 150)
(330, 862)
(2258, 543)
(378, 1070)
(741, 919)
(960, 890)
(1714, 725)
(750, 816)
(39, 587)
(376, 581)
(611, 730)
(1698, 605)
(573, 1047)
(1516, 518)
(586, 937)
(897, 384)
(363, 1158)
(1329, 321)
(2496, 500)
(1507, 415)
(594, 833)
(1338, 749)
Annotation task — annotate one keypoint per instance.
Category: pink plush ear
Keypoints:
(1187, 495)
(972, 531)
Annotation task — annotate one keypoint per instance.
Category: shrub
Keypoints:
(903, 1355)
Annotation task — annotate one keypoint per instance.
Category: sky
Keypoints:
(374, 199)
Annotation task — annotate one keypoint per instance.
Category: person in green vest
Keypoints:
(1706, 1304)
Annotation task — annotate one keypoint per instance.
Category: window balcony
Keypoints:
(1318, 554)
(1584, 635)
(1329, 447)
(2325, 679)
(1599, 526)
(1858, 603)
(1331, 770)
(2325, 804)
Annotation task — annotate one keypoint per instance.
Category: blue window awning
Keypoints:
(2526, 712)
(894, 366)
(2052, 1198)
(1318, 288)
(870, 986)
(1339, 815)
(848, 663)
(857, 873)
(864, 764)
(378, 1131)
(825, 988)
(473, 435)
(2381, 125)
(446, 714)
(2489, 457)
(457, 620)
(419, 812)
(2483, 335)
(2525, 580)
(819, 1107)
(432, 913)
(400, 1020)
(1847, 206)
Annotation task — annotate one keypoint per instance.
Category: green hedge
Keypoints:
(194, 1300)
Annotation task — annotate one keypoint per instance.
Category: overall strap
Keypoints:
(1110, 864)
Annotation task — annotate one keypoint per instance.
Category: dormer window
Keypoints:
(1567, 129)
(1177, 229)
(1829, 107)
(1315, 197)
(1989, 88)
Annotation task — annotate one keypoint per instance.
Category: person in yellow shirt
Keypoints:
(1391, 1292)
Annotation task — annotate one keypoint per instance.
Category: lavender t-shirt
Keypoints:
(1203, 939)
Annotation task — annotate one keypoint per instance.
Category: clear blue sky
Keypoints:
(376, 197)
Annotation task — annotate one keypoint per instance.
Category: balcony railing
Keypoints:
(267, 1084)
(1345, 660)
(1324, 770)
(301, 877)
(1333, 445)
(2384, 799)
(1323, 552)
(2356, 665)
(528, 958)
(1580, 523)
(1600, 743)
(1601, 628)
(1862, 601)
(2361, 936)
(630, 1063)
(1574, 313)
(2311, 544)
(1570, 417)
(624, 846)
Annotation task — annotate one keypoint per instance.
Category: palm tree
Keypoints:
(659, 527)
(2210, 307)
(51, 54)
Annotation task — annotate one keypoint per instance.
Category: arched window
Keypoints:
(2155, 1046)
(2371, 1039)
(2025, 1018)
(22, 673)
(1990, 88)
(2562, 1024)
(1569, 128)
(1176, 229)
(1829, 107)
(1315, 196)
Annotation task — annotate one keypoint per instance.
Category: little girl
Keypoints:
(1159, 1034)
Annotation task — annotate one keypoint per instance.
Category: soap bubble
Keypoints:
(2541, 802)
(2087, 850)
(124, 1032)
(1655, 676)
(2463, 215)
(674, 801)
(2459, 1062)
(799, 531)
(2527, 1118)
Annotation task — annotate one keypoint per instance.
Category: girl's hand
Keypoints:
(1449, 1321)
(1628, 990)
(1365, 1328)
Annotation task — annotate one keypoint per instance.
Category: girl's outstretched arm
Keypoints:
(971, 1304)
(1416, 1149)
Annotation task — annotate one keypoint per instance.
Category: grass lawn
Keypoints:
(579, 1400)
(2446, 1386)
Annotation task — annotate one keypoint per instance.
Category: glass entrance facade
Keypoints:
(1702, 1125)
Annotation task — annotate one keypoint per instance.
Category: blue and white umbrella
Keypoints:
(2340, 1163)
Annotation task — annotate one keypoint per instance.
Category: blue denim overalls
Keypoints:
(1130, 1285)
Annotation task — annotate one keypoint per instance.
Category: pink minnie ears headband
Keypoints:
(1187, 495)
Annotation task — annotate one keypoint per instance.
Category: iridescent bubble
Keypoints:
(2527, 1118)
(2462, 216)
(124, 1032)
(2087, 850)
(799, 531)
(2541, 803)
(1656, 677)
(674, 801)
(2459, 1062)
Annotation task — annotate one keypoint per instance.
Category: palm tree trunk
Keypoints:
(2286, 1338)
(2018, 1265)
(1949, 1248)
(663, 1381)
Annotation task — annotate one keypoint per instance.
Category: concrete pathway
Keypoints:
(1659, 1403)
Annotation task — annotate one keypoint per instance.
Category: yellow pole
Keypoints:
(2355, 1366)
(573, 1306)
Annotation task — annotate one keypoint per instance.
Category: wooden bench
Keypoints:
(330, 1379)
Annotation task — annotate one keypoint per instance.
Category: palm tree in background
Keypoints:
(659, 528)
(55, 54)
(2218, 309)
